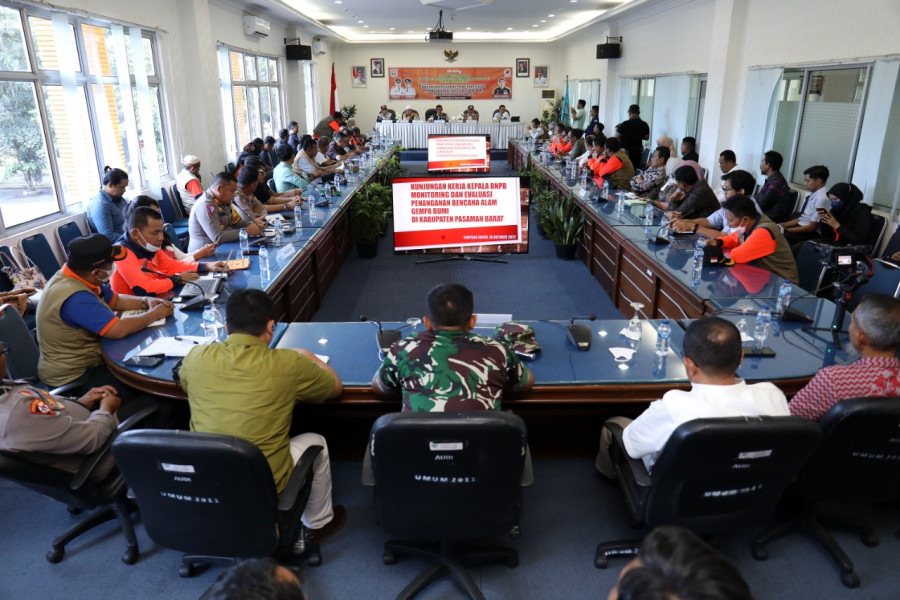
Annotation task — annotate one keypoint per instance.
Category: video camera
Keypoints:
(842, 258)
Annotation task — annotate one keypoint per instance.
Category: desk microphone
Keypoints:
(195, 302)
(580, 335)
(659, 239)
(385, 338)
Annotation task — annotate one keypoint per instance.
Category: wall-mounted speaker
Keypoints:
(609, 50)
(298, 52)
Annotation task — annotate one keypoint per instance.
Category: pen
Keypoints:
(181, 339)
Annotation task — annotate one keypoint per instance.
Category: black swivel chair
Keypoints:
(213, 497)
(430, 113)
(108, 496)
(856, 463)
(448, 479)
(885, 279)
(811, 270)
(713, 475)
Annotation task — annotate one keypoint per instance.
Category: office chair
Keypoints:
(811, 270)
(175, 195)
(108, 496)
(855, 464)
(794, 203)
(213, 497)
(6, 283)
(447, 478)
(170, 213)
(893, 244)
(430, 113)
(877, 229)
(65, 234)
(38, 250)
(713, 475)
(884, 280)
(272, 187)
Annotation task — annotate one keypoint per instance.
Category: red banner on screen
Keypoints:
(470, 235)
(451, 83)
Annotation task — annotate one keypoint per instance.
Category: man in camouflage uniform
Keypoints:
(446, 368)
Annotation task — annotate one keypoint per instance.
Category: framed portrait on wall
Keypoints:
(540, 77)
(376, 67)
(523, 67)
(359, 77)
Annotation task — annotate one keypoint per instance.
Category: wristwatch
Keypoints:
(145, 303)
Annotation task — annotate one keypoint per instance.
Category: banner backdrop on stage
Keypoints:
(451, 83)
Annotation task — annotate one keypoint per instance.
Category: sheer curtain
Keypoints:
(670, 109)
(760, 107)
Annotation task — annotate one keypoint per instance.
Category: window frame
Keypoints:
(247, 84)
(84, 80)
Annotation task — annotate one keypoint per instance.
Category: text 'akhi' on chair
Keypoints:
(857, 463)
(81, 492)
(213, 497)
(451, 479)
(712, 476)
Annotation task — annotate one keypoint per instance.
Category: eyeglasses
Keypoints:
(727, 189)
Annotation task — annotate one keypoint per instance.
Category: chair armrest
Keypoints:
(635, 465)
(92, 460)
(288, 498)
(61, 390)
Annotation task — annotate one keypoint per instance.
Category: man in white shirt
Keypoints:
(735, 182)
(306, 161)
(408, 90)
(397, 89)
(501, 114)
(727, 163)
(712, 354)
(385, 114)
(579, 115)
(803, 225)
(535, 131)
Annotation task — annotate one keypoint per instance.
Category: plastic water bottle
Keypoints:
(743, 329)
(279, 231)
(584, 171)
(211, 322)
(648, 215)
(701, 243)
(298, 216)
(784, 297)
(664, 226)
(663, 332)
(264, 261)
(763, 321)
(337, 183)
(313, 213)
(328, 194)
(244, 241)
(606, 191)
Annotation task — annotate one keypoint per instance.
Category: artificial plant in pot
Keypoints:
(369, 216)
(564, 223)
(542, 203)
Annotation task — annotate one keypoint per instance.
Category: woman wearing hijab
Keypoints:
(674, 160)
(849, 220)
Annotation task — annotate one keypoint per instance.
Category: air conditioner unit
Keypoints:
(318, 47)
(256, 26)
(548, 97)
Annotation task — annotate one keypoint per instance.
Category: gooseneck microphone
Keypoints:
(196, 302)
(580, 335)
(385, 338)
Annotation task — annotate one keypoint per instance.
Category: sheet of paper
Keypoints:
(138, 312)
(174, 346)
(323, 358)
(492, 319)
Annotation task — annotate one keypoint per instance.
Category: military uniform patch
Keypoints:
(42, 403)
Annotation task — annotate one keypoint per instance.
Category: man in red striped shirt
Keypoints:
(875, 333)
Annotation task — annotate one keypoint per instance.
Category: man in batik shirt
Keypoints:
(446, 368)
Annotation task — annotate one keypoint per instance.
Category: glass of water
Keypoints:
(414, 324)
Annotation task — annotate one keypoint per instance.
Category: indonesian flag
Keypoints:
(333, 106)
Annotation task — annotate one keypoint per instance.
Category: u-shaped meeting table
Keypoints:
(574, 389)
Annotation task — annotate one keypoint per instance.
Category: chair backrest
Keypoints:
(271, 183)
(179, 203)
(22, 360)
(9, 260)
(167, 208)
(716, 474)
(55, 483)
(893, 244)
(448, 476)
(809, 267)
(430, 113)
(857, 459)
(65, 234)
(885, 280)
(173, 235)
(37, 248)
(876, 232)
(201, 493)
(795, 200)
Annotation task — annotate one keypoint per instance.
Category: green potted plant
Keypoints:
(563, 223)
(553, 113)
(542, 202)
(369, 215)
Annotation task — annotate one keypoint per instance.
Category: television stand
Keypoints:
(461, 257)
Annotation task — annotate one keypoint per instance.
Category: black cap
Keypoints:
(93, 251)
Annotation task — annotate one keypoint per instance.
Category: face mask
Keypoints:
(109, 273)
(837, 205)
(148, 247)
(739, 230)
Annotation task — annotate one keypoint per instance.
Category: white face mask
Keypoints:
(109, 273)
(147, 246)
(738, 230)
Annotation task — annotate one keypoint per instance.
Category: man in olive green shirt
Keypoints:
(241, 387)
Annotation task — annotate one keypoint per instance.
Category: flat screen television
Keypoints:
(459, 153)
(461, 215)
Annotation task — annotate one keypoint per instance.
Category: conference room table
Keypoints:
(415, 134)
